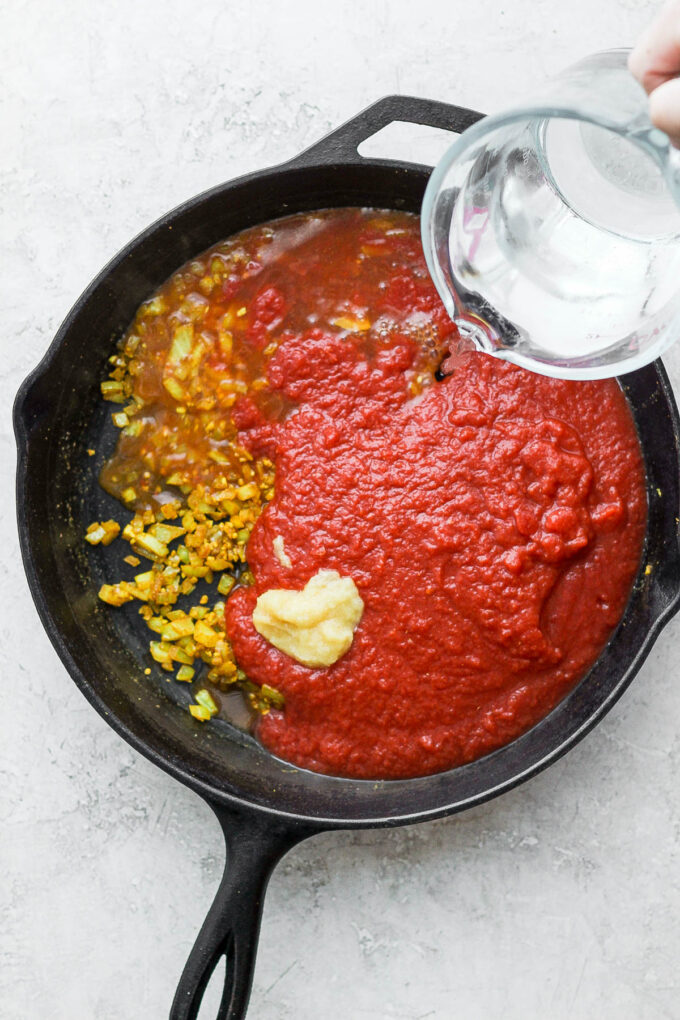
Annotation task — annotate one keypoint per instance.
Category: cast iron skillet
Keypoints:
(266, 806)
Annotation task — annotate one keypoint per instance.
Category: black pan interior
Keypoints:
(59, 415)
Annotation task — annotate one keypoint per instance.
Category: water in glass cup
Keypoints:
(553, 231)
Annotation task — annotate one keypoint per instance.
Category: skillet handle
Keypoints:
(254, 846)
(342, 143)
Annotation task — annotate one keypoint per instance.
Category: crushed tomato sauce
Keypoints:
(493, 528)
(492, 522)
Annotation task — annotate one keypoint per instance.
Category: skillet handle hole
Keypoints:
(403, 140)
(214, 990)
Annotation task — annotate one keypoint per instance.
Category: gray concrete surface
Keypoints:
(559, 900)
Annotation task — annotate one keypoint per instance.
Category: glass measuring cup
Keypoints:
(552, 230)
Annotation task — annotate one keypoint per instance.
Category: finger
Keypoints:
(664, 109)
(656, 58)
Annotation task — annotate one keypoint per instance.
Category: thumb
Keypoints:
(664, 108)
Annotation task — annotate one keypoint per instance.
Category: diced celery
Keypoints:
(174, 389)
(178, 629)
(179, 655)
(96, 536)
(182, 342)
(225, 583)
(225, 339)
(271, 694)
(217, 563)
(248, 491)
(192, 571)
(205, 635)
(165, 532)
(234, 386)
(150, 545)
(204, 698)
(199, 712)
(111, 530)
(159, 651)
(112, 389)
(156, 306)
(113, 594)
(188, 645)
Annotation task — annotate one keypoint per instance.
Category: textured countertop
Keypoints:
(559, 900)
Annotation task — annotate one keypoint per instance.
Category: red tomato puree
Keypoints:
(493, 526)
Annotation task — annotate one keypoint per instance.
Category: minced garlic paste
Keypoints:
(280, 552)
(315, 626)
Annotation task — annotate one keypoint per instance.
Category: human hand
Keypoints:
(655, 62)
